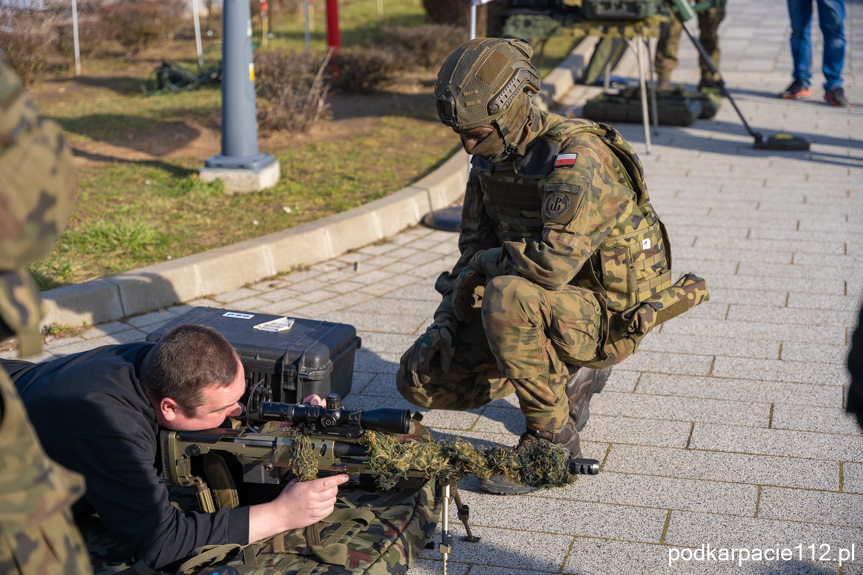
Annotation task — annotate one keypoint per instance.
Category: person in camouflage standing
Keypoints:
(561, 244)
(669, 43)
(37, 188)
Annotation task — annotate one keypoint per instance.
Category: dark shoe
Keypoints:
(795, 91)
(707, 84)
(502, 485)
(836, 97)
(583, 383)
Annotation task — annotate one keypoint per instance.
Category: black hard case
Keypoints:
(311, 357)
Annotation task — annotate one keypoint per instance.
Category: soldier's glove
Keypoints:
(462, 294)
(438, 338)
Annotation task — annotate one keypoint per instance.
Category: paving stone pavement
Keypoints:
(726, 431)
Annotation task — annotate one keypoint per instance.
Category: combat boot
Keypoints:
(580, 386)
(568, 437)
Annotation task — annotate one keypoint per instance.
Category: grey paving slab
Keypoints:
(695, 529)
(674, 363)
(809, 285)
(829, 446)
(715, 466)
(681, 409)
(841, 509)
(637, 431)
(780, 370)
(382, 342)
(852, 477)
(818, 353)
(741, 329)
(542, 511)
(666, 493)
(761, 297)
(405, 324)
(808, 418)
(503, 549)
(706, 344)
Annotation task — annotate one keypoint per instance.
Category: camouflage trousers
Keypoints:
(669, 42)
(37, 535)
(519, 340)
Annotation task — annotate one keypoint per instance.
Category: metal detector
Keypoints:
(683, 12)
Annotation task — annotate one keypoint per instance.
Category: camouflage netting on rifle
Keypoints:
(541, 465)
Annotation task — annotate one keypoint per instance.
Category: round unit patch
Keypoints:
(556, 205)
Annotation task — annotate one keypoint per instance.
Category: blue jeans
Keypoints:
(831, 18)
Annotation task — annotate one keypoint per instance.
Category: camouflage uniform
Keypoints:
(550, 240)
(558, 237)
(669, 42)
(37, 187)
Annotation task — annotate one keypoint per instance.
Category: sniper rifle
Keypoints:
(306, 441)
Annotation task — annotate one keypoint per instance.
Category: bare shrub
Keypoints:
(92, 37)
(366, 69)
(24, 41)
(136, 25)
(454, 12)
(427, 46)
(293, 90)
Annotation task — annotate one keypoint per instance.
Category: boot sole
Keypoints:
(489, 486)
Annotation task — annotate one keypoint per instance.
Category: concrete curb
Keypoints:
(230, 267)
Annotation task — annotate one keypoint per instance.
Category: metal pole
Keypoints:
(645, 116)
(472, 22)
(306, 16)
(334, 38)
(197, 20)
(239, 119)
(75, 38)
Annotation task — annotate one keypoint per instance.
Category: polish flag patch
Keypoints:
(565, 160)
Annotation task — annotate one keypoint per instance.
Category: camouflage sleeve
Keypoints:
(476, 235)
(581, 204)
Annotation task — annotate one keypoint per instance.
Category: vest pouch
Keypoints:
(634, 267)
(689, 291)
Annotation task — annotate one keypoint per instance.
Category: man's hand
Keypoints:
(300, 503)
(439, 337)
(314, 399)
(462, 295)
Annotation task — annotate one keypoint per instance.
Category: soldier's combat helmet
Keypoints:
(37, 189)
(486, 82)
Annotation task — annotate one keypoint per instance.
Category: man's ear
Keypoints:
(169, 409)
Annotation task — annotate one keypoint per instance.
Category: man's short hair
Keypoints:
(185, 360)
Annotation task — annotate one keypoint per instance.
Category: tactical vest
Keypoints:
(631, 264)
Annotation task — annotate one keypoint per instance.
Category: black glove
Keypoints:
(438, 338)
(462, 294)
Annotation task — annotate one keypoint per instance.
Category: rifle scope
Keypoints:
(384, 419)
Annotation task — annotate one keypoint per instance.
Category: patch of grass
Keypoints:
(131, 214)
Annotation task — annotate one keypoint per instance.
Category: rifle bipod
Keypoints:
(446, 539)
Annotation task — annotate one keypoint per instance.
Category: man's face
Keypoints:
(473, 137)
(218, 403)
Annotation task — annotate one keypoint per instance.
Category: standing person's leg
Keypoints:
(708, 26)
(665, 60)
(800, 14)
(831, 19)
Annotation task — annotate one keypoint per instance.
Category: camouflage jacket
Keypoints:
(32, 487)
(572, 210)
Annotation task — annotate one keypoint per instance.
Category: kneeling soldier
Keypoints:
(561, 244)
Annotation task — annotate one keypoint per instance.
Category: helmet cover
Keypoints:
(480, 80)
